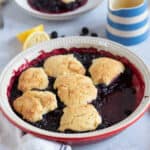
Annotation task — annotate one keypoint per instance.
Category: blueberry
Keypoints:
(113, 86)
(104, 90)
(128, 72)
(94, 34)
(38, 6)
(70, 6)
(134, 90)
(54, 9)
(102, 85)
(85, 31)
(54, 35)
(45, 3)
(75, 5)
(128, 112)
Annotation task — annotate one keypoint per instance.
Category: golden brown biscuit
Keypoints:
(33, 104)
(47, 99)
(75, 89)
(33, 78)
(104, 70)
(63, 64)
(82, 118)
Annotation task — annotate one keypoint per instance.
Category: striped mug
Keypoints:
(127, 21)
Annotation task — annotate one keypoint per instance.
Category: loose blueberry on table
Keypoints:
(114, 102)
(84, 32)
(56, 6)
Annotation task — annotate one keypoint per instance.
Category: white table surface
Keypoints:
(136, 137)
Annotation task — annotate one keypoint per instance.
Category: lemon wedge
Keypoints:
(35, 38)
(23, 35)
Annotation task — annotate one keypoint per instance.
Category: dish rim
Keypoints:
(63, 16)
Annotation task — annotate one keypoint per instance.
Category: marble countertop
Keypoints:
(136, 137)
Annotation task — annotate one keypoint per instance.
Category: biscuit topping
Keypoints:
(82, 118)
(75, 89)
(63, 64)
(33, 104)
(33, 78)
(105, 70)
(68, 1)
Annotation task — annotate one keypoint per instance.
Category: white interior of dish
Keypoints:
(68, 42)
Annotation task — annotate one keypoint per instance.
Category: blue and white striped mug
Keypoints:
(128, 21)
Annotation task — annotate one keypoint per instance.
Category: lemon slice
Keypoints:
(23, 35)
(35, 38)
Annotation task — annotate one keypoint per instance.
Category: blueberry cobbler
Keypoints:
(56, 6)
(75, 91)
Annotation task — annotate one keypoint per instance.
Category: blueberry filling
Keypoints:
(114, 102)
(55, 6)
